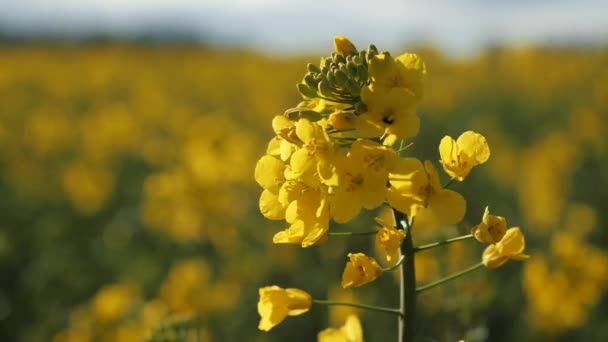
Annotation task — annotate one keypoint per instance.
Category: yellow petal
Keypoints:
(475, 146)
(301, 162)
(344, 207)
(269, 172)
(491, 257)
(513, 243)
(270, 206)
(449, 206)
(305, 130)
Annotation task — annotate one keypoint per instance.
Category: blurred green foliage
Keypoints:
(128, 198)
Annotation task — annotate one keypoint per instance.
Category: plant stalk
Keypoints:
(407, 301)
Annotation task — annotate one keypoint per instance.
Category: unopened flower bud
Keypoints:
(306, 91)
(310, 81)
(324, 89)
(344, 46)
(313, 68)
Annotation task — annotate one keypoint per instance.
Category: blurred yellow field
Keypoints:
(129, 203)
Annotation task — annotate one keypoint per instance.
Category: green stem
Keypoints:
(388, 269)
(441, 243)
(448, 278)
(449, 183)
(407, 282)
(351, 233)
(360, 306)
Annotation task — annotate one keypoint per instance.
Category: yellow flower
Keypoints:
(113, 302)
(317, 150)
(511, 246)
(406, 71)
(351, 331)
(388, 241)
(458, 157)
(307, 213)
(392, 112)
(360, 270)
(344, 46)
(277, 303)
(415, 190)
(491, 229)
(269, 173)
(361, 179)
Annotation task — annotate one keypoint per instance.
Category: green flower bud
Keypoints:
(310, 115)
(352, 69)
(294, 114)
(324, 89)
(339, 59)
(310, 81)
(306, 91)
(353, 87)
(362, 73)
(341, 77)
(331, 80)
(313, 68)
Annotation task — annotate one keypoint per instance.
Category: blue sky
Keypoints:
(460, 27)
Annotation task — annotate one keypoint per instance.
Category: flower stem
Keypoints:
(449, 183)
(360, 306)
(395, 265)
(441, 243)
(448, 278)
(352, 233)
(407, 287)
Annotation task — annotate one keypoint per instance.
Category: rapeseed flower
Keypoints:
(388, 241)
(390, 112)
(511, 246)
(276, 304)
(459, 156)
(351, 331)
(491, 229)
(361, 179)
(415, 190)
(360, 270)
(406, 71)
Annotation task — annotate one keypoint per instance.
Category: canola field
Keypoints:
(129, 207)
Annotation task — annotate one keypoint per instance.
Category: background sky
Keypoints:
(460, 27)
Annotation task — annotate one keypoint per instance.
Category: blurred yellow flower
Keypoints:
(511, 246)
(344, 46)
(360, 270)
(388, 241)
(415, 190)
(459, 156)
(351, 331)
(113, 302)
(276, 304)
(491, 229)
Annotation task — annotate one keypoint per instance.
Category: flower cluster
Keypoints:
(331, 155)
(336, 153)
